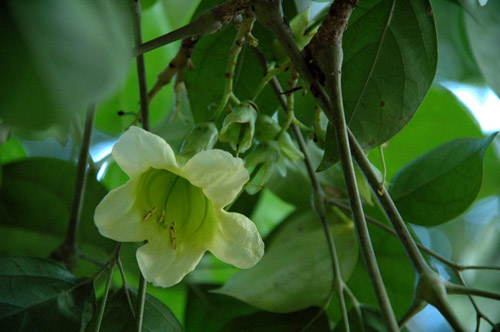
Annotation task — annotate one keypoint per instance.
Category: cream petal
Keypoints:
(236, 240)
(116, 216)
(218, 173)
(164, 266)
(137, 150)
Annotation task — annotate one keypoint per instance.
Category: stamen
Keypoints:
(150, 213)
(172, 235)
(162, 216)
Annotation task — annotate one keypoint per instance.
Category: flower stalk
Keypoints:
(244, 34)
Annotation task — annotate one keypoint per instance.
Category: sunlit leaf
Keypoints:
(483, 29)
(40, 295)
(299, 249)
(456, 62)
(442, 183)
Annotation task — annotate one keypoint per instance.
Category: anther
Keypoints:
(172, 235)
(150, 213)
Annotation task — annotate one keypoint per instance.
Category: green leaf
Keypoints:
(271, 322)
(208, 312)
(389, 65)
(483, 29)
(299, 249)
(440, 118)
(127, 97)
(40, 295)
(35, 200)
(205, 84)
(456, 62)
(397, 271)
(157, 316)
(372, 320)
(442, 183)
(12, 150)
(114, 177)
(62, 56)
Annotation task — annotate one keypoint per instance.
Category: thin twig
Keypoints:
(208, 22)
(141, 66)
(242, 35)
(141, 299)
(105, 296)
(319, 200)
(68, 251)
(125, 286)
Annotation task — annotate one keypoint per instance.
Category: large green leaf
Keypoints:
(35, 200)
(118, 317)
(40, 295)
(208, 312)
(62, 56)
(441, 184)
(483, 29)
(440, 118)
(395, 267)
(298, 249)
(456, 62)
(389, 65)
(127, 97)
(271, 322)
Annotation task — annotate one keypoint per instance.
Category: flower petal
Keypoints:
(237, 240)
(116, 216)
(164, 266)
(137, 150)
(218, 173)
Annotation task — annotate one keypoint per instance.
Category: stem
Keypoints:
(141, 299)
(68, 251)
(81, 177)
(319, 203)
(125, 286)
(141, 66)
(268, 76)
(290, 102)
(416, 258)
(479, 313)
(105, 296)
(457, 289)
(329, 56)
(244, 30)
(208, 22)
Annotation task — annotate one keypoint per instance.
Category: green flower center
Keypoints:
(178, 209)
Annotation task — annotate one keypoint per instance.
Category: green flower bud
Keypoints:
(202, 137)
(266, 128)
(288, 148)
(239, 127)
(264, 157)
